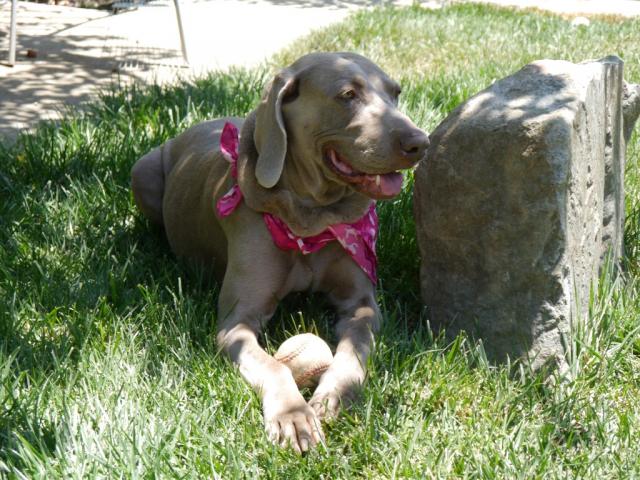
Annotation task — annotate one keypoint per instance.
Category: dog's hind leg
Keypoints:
(147, 184)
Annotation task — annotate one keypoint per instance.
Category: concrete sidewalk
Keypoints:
(80, 51)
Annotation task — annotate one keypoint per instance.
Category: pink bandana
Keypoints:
(358, 239)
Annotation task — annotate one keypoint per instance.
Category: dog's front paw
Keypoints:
(291, 422)
(338, 389)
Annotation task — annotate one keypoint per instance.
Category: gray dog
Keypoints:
(289, 210)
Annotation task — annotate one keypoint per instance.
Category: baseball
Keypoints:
(307, 356)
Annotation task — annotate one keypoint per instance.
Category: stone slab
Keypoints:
(518, 205)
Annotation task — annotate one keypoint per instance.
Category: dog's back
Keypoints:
(171, 183)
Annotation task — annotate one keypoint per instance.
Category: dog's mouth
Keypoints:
(375, 185)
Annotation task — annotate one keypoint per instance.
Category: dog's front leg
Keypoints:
(358, 320)
(288, 419)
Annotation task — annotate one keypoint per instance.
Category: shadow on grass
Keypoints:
(70, 237)
(79, 264)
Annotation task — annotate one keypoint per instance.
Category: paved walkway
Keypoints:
(80, 51)
(75, 52)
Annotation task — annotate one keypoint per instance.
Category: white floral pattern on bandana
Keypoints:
(358, 239)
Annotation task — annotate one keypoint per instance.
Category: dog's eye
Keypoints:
(349, 94)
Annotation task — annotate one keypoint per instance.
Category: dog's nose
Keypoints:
(414, 145)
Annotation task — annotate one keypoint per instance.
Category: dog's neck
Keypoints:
(306, 205)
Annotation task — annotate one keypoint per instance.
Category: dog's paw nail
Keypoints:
(326, 407)
(273, 433)
(304, 444)
(296, 427)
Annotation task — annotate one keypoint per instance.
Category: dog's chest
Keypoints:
(310, 272)
(300, 277)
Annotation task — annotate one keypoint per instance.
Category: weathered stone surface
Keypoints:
(519, 202)
(630, 108)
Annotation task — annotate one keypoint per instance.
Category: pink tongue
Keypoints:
(389, 185)
(377, 186)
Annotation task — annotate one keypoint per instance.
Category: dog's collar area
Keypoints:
(358, 239)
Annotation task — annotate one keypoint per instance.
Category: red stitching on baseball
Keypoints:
(311, 373)
(291, 355)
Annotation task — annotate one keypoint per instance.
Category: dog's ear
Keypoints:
(270, 134)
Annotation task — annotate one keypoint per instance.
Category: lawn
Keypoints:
(107, 362)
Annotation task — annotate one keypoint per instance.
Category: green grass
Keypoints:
(107, 361)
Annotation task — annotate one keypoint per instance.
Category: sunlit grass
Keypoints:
(107, 362)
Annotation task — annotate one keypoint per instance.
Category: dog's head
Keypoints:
(332, 120)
